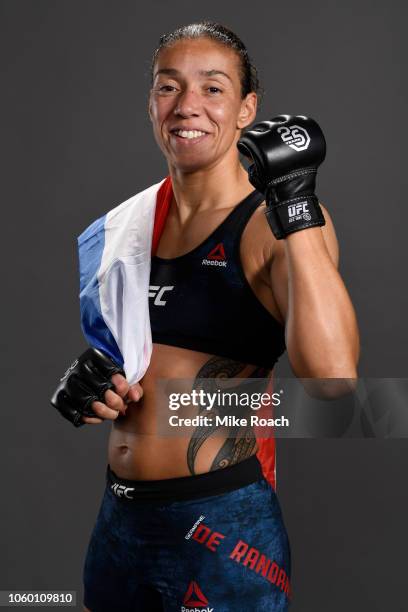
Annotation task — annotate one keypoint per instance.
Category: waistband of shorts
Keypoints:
(169, 490)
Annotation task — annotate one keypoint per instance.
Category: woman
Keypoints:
(191, 523)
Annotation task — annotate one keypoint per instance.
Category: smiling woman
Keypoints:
(211, 321)
(227, 295)
(203, 93)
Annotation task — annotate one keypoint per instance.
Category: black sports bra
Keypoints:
(202, 300)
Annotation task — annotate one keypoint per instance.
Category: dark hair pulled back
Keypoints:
(221, 34)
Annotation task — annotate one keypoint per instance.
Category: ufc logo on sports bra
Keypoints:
(157, 293)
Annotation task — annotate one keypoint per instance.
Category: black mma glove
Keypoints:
(85, 381)
(286, 152)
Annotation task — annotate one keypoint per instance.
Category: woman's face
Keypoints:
(195, 104)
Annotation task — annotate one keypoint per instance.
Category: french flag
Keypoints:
(114, 270)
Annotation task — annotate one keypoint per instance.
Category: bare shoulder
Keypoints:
(257, 250)
(265, 263)
(258, 243)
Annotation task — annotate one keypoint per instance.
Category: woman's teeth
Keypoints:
(188, 133)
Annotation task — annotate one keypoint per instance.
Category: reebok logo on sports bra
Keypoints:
(216, 257)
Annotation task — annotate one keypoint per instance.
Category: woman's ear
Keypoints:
(248, 110)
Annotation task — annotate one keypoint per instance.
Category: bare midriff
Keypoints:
(138, 448)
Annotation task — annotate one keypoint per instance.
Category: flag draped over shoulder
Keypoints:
(114, 268)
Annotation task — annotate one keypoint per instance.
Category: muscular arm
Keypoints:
(321, 329)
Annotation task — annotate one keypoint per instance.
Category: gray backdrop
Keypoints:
(76, 141)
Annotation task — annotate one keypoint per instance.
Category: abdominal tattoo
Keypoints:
(242, 443)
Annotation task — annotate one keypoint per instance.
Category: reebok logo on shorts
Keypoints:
(216, 257)
(196, 598)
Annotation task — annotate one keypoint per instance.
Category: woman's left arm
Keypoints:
(322, 336)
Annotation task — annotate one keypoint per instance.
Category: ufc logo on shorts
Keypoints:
(297, 209)
(157, 293)
(122, 491)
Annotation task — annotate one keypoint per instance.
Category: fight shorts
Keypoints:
(214, 542)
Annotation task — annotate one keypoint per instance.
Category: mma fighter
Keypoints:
(193, 524)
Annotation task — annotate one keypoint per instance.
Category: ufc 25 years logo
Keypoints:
(157, 293)
(295, 136)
